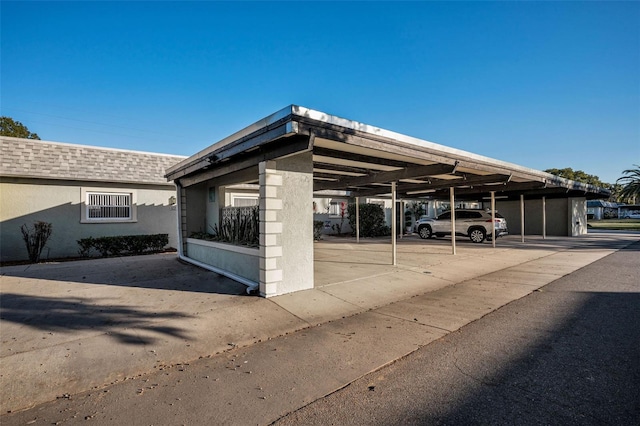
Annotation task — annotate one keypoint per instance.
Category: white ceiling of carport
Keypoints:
(323, 172)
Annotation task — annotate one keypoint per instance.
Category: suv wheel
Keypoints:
(477, 235)
(425, 232)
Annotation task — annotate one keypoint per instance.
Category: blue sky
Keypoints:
(540, 84)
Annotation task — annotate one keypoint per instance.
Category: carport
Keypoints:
(298, 152)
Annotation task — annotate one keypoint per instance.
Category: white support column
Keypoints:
(182, 218)
(544, 218)
(493, 219)
(401, 219)
(393, 223)
(286, 225)
(522, 217)
(452, 200)
(270, 228)
(357, 219)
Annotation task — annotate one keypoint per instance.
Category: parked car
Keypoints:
(475, 224)
(631, 214)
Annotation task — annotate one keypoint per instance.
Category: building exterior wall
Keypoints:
(241, 261)
(564, 217)
(196, 209)
(25, 201)
(595, 213)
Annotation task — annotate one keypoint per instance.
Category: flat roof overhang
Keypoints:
(364, 160)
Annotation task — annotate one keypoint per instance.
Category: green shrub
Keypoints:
(372, 220)
(238, 225)
(123, 244)
(317, 229)
(86, 244)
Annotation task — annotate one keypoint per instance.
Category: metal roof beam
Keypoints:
(418, 188)
(411, 172)
(338, 167)
(345, 155)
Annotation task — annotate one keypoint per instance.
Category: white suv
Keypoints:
(475, 224)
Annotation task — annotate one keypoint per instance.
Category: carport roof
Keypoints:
(364, 160)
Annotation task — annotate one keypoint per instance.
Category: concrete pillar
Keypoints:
(182, 219)
(522, 218)
(357, 219)
(401, 219)
(544, 218)
(286, 225)
(493, 219)
(393, 223)
(452, 200)
(577, 216)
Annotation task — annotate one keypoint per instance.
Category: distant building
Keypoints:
(629, 211)
(600, 209)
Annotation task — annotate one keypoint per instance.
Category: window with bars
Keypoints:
(108, 206)
(337, 208)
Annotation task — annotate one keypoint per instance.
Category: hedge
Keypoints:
(372, 220)
(124, 244)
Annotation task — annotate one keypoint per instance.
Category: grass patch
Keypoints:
(617, 224)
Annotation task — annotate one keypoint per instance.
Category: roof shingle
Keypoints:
(54, 160)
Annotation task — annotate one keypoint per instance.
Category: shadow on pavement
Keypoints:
(66, 314)
(585, 369)
(567, 354)
(161, 272)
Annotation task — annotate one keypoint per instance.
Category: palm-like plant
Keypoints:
(630, 184)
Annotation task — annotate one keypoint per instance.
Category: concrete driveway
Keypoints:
(73, 326)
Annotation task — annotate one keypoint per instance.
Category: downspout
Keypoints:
(252, 287)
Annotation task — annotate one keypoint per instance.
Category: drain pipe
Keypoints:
(252, 286)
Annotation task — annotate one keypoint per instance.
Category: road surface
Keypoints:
(567, 354)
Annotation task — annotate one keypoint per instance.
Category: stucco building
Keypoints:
(83, 191)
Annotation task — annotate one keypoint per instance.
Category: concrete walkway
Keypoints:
(71, 327)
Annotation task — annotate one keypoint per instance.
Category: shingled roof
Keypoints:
(53, 160)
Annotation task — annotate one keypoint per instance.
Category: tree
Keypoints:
(630, 184)
(9, 127)
(578, 176)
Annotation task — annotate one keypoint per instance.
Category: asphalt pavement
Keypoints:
(567, 354)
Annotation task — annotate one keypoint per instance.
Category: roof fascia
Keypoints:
(219, 147)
